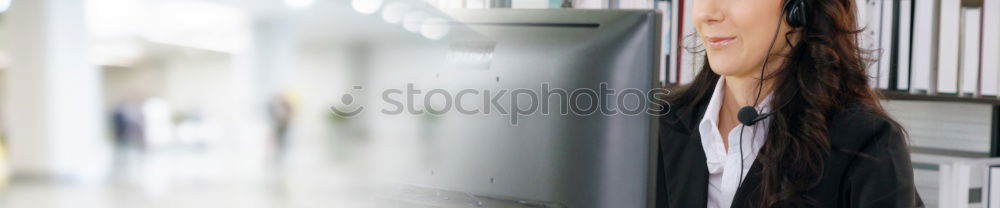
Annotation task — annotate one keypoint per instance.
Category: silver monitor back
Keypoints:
(569, 160)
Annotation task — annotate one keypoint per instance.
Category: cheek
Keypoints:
(756, 41)
(757, 24)
(757, 34)
(731, 61)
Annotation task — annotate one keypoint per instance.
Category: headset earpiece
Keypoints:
(795, 15)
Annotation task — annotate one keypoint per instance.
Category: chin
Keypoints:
(728, 66)
(724, 69)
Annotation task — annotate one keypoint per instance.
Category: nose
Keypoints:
(708, 11)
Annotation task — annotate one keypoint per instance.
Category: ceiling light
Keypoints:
(393, 12)
(366, 6)
(413, 21)
(299, 4)
(434, 28)
(4, 5)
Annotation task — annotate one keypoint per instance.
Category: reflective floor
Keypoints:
(189, 177)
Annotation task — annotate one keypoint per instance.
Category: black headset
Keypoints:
(748, 115)
(794, 14)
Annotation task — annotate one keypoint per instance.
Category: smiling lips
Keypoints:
(719, 42)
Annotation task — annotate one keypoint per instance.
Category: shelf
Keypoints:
(904, 95)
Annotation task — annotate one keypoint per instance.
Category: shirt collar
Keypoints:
(709, 125)
(715, 105)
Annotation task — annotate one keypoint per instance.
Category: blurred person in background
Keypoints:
(127, 122)
(4, 172)
(281, 111)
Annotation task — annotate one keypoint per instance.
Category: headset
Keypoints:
(792, 11)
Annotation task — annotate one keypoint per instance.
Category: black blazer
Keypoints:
(883, 180)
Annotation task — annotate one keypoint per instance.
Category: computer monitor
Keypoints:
(600, 159)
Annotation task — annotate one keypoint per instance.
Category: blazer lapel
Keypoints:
(748, 190)
(687, 172)
(690, 187)
(686, 165)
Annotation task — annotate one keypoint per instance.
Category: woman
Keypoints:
(820, 139)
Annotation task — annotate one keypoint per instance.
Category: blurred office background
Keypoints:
(225, 103)
(200, 103)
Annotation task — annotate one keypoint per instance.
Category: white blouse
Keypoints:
(722, 184)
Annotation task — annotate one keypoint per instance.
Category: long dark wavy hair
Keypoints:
(824, 73)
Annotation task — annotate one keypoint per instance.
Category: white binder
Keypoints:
(868, 19)
(991, 47)
(969, 81)
(948, 46)
(994, 188)
(924, 59)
